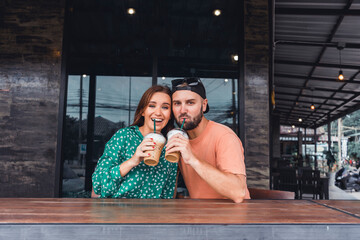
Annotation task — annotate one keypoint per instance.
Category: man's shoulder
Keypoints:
(220, 129)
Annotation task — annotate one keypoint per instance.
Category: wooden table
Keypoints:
(177, 219)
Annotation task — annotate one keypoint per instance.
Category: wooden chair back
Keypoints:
(286, 180)
(257, 193)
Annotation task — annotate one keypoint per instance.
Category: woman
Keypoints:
(121, 172)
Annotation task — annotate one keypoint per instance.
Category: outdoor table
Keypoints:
(60, 218)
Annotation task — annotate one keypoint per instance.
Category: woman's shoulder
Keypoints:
(126, 131)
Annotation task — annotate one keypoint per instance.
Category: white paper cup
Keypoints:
(155, 154)
(174, 156)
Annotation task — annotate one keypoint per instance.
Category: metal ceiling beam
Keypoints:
(326, 65)
(348, 100)
(303, 101)
(328, 40)
(316, 44)
(310, 96)
(302, 116)
(342, 114)
(312, 78)
(318, 12)
(295, 121)
(300, 112)
(316, 89)
(295, 118)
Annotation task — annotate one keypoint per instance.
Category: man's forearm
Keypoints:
(227, 184)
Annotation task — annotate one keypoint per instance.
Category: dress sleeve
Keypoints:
(169, 188)
(106, 178)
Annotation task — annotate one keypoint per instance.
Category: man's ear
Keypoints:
(204, 104)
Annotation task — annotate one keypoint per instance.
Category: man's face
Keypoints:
(189, 106)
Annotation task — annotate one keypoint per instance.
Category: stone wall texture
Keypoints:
(257, 93)
(31, 34)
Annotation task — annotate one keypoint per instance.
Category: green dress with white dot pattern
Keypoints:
(142, 181)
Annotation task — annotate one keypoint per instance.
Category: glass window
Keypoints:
(74, 146)
(116, 101)
(222, 98)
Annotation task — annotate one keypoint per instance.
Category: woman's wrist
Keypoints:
(126, 166)
(133, 161)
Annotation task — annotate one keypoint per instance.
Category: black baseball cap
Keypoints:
(192, 84)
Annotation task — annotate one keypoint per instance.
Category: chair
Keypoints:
(310, 183)
(286, 180)
(257, 193)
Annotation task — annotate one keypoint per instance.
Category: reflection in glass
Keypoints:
(74, 146)
(116, 102)
(222, 98)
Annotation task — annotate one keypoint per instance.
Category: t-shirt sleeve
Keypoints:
(230, 154)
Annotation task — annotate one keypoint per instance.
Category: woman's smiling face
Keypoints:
(158, 110)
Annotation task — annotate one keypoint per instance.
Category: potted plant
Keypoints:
(331, 161)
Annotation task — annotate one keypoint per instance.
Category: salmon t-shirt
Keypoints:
(219, 146)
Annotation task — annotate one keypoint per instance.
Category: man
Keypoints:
(212, 160)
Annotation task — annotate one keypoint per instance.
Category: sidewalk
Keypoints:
(336, 193)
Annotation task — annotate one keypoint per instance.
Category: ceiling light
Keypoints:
(341, 75)
(312, 107)
(57, 53)
(235, 57)
(226, 80)
(131, 11)
(84, 75)
(217, 12)
(163, 78)
(293, 126)
(300, 119)
(340, 47)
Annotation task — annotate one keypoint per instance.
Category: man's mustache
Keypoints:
(184, 115)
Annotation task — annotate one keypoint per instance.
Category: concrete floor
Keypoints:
(337, 193)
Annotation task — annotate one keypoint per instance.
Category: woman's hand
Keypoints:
(147, 144)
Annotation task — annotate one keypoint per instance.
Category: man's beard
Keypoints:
(190, 125)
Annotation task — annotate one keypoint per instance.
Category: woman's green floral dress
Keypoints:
(142, 181)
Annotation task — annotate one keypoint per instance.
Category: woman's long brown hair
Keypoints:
(143, 103)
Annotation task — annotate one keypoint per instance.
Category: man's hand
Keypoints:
(179, 143)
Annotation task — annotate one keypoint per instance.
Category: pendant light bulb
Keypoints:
(341, 75)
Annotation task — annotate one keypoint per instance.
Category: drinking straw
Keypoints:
(182, 124)
(154, 126)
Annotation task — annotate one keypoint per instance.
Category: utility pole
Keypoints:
(339, 138)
